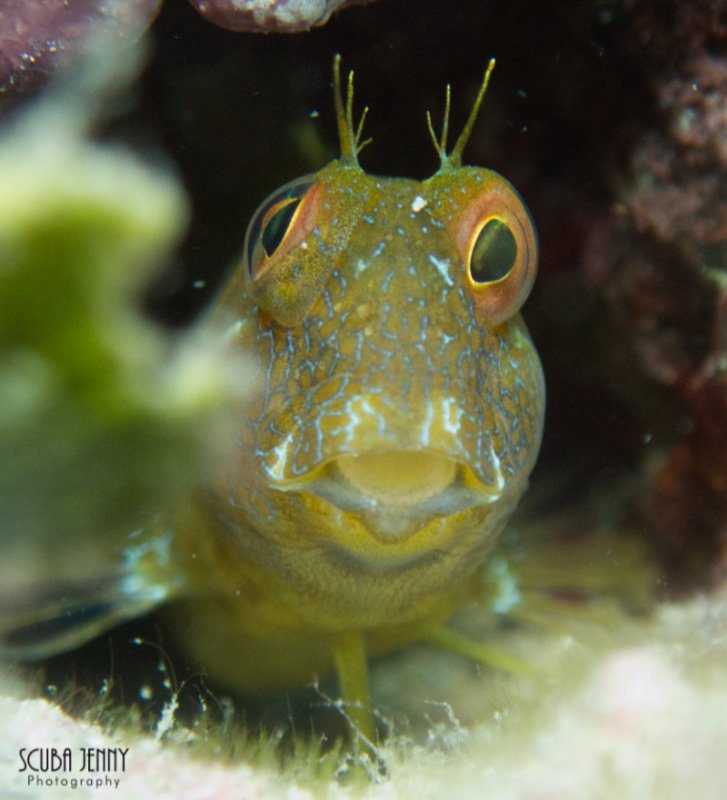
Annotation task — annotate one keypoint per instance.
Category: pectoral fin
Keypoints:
(48, 605)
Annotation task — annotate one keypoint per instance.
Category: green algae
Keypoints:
(103, 417)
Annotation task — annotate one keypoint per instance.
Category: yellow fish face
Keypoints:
(402, 398)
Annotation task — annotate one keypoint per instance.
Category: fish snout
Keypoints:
(359, 447)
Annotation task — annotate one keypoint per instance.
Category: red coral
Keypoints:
(38, 36)
(688, 501)
(270, 16)
(667, 268)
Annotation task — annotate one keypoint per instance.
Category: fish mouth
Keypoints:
(395, 464)
(396, 493)
(396, 478)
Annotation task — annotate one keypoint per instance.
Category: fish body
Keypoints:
(399, 416)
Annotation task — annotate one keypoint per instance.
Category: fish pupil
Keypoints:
(278, 225)
(494, 252)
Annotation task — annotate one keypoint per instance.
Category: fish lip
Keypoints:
(333, 464)
(462, 491)
(395, 522)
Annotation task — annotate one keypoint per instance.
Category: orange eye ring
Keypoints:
(282, 221)
(497, 241)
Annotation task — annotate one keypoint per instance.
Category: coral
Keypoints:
(645, 715)
(271, 16)
(667, 276)
(39, 36)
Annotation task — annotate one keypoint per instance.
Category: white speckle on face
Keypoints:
(442, 265)
(304, 245)
(358, 410)
(426, 434)
(276, 470)
(451, 416)
(418, 203)
(498, 467)
(361, 266)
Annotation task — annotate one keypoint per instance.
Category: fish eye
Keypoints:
(494, 252)
(278, 224)
(498, 245)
